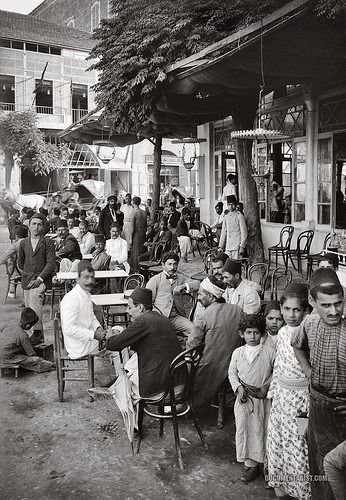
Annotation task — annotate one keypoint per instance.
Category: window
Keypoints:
(95, 15)
(324, 180)
(70, 22)
(79, 101)
(7, 93)
(299, 181)
(217, 176)
(44, 96)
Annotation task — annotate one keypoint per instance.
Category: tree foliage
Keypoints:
(21, 138)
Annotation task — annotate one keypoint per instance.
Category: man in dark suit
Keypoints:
(36, 261)
(163, 235)
(173, 216)
(152, 337)
(66, 246)
(109, 214)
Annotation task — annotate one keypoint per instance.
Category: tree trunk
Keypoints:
(244, 115)
(156, 172)
(8, 159)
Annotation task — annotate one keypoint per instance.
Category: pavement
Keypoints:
(79, 449)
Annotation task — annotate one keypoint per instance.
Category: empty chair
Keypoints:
(259, 273)
(132, 281)
(65, 364)
(210, 237)
(314, 258)
(303, 249)
(13, 276)
(280, 279)
(198, 227)
(179, 391)
(283, 246)
(159, 250)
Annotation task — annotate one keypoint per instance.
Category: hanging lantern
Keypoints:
(105, 150)
(189, 140)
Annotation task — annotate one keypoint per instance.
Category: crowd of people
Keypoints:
(285, 360)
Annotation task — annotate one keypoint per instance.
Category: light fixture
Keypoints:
(12, 88)
(84, 95)
(48, 92)
(105, 150)
(3, 88)
(189, 140)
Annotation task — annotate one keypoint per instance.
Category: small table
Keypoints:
(87, 256)
(51, 235)
(107, 300)
(115, 273)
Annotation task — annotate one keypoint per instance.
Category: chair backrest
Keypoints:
(182, 373)
(11, 265)
(286, 234)
(59, 345)
(156, 216)
(209, 236)
(259, 273)
(304, 242)
(132, 281)
(159, 250)
(326, 241)
(280, 279)
(207, 260)
(175, 248)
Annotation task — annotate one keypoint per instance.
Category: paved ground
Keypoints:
(78, 449)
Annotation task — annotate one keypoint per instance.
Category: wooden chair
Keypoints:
(302, 251)
(259, 273)
(179, 391)
(280, 279)
(210, 237)
(196, 241)
(159, 250)
(65, 364)
(313, 259)
(132, 281)
(11, 267)
(56, 291)
(283, 246)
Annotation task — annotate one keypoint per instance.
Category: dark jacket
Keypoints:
(182, 228)
(106, 220)
(153, 337)
(69, 249)
(40, 263)
(173, 219)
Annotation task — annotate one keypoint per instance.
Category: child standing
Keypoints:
(250, 373)
(287, 451)
(274, 321)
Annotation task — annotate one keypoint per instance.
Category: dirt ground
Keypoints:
(79, 450)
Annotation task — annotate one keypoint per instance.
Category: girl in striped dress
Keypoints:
(287, 451)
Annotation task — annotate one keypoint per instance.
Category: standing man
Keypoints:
(80, 327)
(108, 215)
(217, 225)
(320, 347)
(173, 217)
(127, 210)
(230, 188)
(233, 233)
(241, 292)
(167, 290)
(218, 328)
(139, 221)
(36, 261)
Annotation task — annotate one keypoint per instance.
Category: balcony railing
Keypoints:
(77, 114)
(7, 106)
(44, 110)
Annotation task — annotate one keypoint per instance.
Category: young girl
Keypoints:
(287, 452)
(274, 321)
(250, 373)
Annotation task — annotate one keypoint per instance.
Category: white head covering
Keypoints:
(208, 286)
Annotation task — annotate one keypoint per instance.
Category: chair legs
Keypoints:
(162, 421)
(176, 436)
(222, 403)
(196, 424)
(138, 437)
(91, 371)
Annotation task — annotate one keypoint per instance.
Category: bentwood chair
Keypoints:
(12, 281)
(280, 279)
(65, 364)
(302, 251)
(177, 394)
(282, 247)
(259, 273)
(159, 250)
(313, 259)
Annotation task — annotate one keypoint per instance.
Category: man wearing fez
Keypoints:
(218, 327)
(66, 245)
(36, 261)
(100, 260)
(240, 291)
(168, 288)
(154, 341)
(320, 347)
(233, 233)
(108, 215)
(80, 327)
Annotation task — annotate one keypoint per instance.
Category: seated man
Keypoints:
(100, 260)
(66, 248)
(116, 247)
(167, 289)
(85, 239)
(239, 291)
(80, 327)
(163, 235)
(153, 339)
(16, 348)
(73, 229)
(218, 328)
